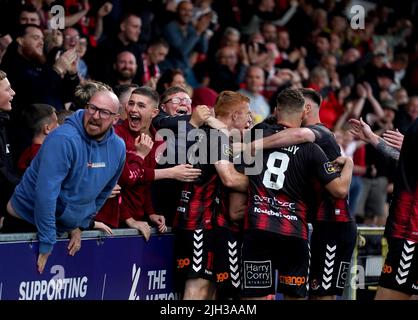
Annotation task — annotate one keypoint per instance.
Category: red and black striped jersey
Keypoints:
(328, 208)
(222, 215)
(198, 203)
(280, 195)
(402, 221)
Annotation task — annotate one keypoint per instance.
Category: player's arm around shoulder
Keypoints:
(284, 138)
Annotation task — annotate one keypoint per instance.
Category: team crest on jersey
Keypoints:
(314, 284)
(329, 168)
(227, 150)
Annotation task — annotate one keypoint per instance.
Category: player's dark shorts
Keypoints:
(194, 254)
(262, 253)
(227, 264)
(332, 246)
(400, 271)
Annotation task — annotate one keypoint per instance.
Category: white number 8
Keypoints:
(278, 171)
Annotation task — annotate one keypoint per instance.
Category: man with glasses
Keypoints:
(203, 237)
(176, 115)
(72, 175)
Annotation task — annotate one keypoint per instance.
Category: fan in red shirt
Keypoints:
(42, 119)
(133, 206)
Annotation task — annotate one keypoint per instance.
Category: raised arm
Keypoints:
(377, 108)
(361, 130)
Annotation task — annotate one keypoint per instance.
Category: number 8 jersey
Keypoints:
(279, 196)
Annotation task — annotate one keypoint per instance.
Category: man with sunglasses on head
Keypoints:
(72, 175)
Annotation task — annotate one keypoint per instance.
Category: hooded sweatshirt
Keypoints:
(69, 180)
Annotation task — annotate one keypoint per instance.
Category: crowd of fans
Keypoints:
(257, 47)
(199, 49)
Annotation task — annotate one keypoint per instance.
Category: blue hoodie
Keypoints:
(69, 180)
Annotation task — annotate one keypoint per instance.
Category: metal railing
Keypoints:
(31, 236)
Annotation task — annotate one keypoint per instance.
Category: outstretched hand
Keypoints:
(186, 173)
(361, 130)
(75, 242)
(394, 138)
(42, 259)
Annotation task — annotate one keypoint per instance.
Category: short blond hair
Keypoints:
(228, 102)
(3, 75)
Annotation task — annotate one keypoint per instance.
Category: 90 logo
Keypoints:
(181, 263)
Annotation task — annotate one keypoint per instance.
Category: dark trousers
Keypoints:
(12, 224)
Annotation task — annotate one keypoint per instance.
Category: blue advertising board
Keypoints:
(106, 268)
